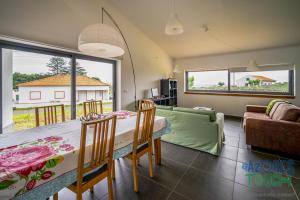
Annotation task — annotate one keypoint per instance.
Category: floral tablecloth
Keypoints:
(33, 158)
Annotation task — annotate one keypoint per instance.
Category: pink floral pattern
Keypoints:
(23, 158)
(53, 139)
(123, 114)
(32, 162)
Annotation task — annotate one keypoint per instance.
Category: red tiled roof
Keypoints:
(263, 78)
(64, 80)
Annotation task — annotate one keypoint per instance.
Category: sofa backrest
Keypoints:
(164, 107)
(286, 112)
(210, 113)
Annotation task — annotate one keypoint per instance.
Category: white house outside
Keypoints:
(57, 89)
(244, 81)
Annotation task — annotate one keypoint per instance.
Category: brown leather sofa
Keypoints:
(279, 131)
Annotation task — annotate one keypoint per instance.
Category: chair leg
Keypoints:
(55, 196)
(109, 185)
(113, 170)
(157, 149)
(79, 196)
(134, 173)
(92, 189)
(150, 162)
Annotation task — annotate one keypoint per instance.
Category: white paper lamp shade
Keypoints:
(174, 25)
(101, 40)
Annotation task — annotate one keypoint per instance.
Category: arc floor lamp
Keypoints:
(105, 41)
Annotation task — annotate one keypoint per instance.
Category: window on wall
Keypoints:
(35, 95)
(277, 82)
(59, 94)
(261, 81)
(207, 80)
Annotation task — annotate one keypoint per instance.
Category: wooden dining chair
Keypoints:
(92, 107)
(142, 141)
(100, 161)
(146, 103)
(49, 114)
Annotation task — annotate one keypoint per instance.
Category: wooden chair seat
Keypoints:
(89, 176)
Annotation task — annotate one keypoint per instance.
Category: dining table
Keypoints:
(38, 162)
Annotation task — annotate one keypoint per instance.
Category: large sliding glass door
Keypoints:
(33, 80)
(94, 81)
(33, 76)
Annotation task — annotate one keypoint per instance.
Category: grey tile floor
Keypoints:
(190, 174)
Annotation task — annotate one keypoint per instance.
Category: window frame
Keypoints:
(57, 91)
(55, 51)
(38, 98)
(229, 92)
(210, 91)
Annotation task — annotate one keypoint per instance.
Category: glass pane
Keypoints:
(260, 81)
(208, 80)
(32, 80)
(94, 82)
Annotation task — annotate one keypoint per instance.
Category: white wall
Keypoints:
(233, 105)
(7, 88)
(59, 23)
(47, 94)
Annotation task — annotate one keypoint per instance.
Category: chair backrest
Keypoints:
(144, 127)
(49, 114)
(146, 103)
(92, 107)
(102, 145)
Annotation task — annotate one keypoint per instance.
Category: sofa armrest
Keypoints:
(273, 126)
(256, 108)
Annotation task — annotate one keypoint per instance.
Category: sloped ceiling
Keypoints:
(234, 25)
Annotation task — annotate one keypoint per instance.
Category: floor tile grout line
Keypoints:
(242, 184)
(235, 172)
(150, 179)
(295, 192)
(286, 173)
(184, 173)
(181, 195)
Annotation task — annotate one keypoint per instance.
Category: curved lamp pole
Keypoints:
(130, 56)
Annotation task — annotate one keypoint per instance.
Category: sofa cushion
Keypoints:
(254, 115)
(272, 103)
(164, 107)
(287, 112)
(210, 113)
(275, 107)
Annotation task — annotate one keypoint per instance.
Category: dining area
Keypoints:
(38, 163)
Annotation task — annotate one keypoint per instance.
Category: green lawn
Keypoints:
(26, 119)
(277, 87)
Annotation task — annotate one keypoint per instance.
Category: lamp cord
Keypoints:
(130, 56)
